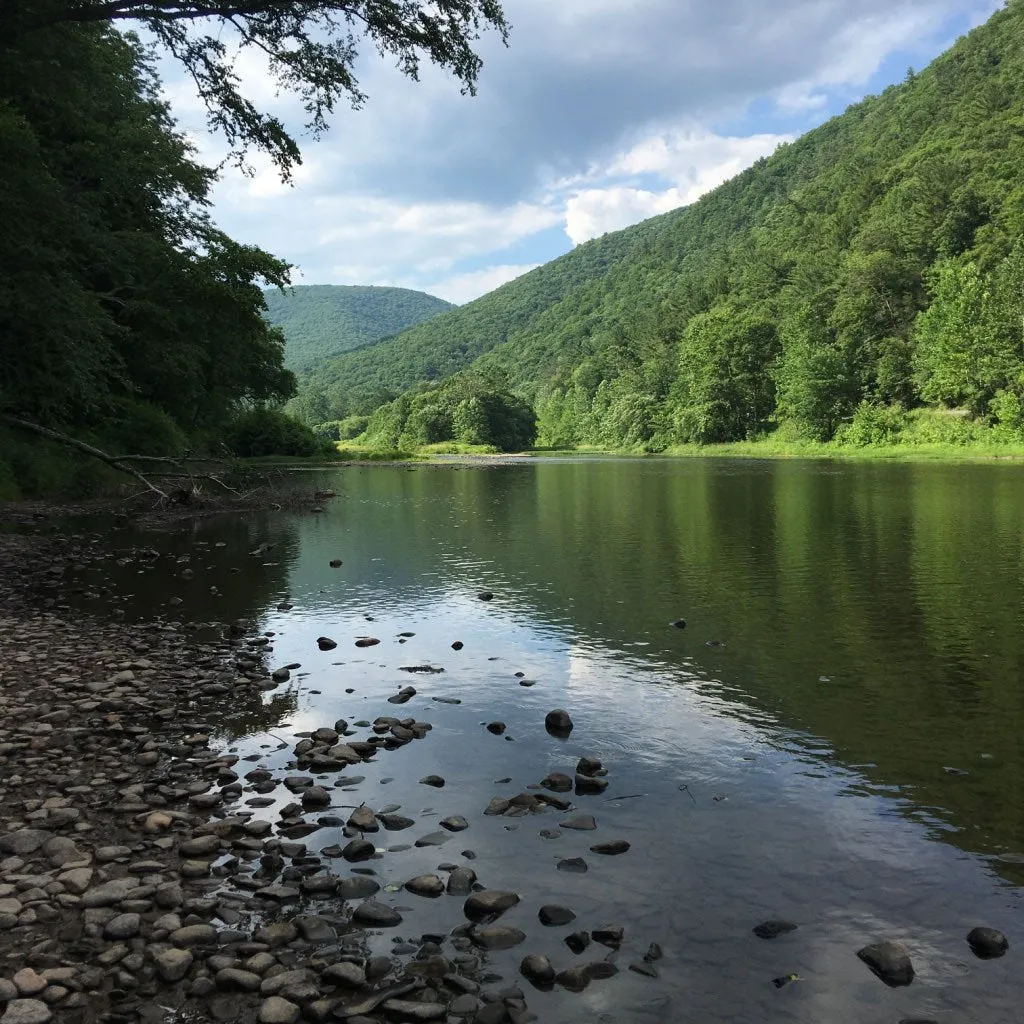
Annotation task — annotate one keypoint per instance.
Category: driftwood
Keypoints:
(178, 468)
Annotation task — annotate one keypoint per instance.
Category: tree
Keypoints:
(310, 46)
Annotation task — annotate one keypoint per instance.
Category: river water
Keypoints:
(836, 737)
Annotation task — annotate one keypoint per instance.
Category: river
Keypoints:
(836, 737)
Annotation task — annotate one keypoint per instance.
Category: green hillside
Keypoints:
(356, 382)
(321, 320)
(871, 269)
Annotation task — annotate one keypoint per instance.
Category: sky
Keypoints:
(598, 114)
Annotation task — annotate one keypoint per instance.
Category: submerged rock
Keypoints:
(537, 970)
(552, 915)
(558, 722)
(325, 643)
(489, 905)
(497, 937)
(612, 848)
(987, 943)
(773, 929)
(890, 961)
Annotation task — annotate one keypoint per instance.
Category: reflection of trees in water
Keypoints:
(900, 584)
(149, 565)
(252, 715)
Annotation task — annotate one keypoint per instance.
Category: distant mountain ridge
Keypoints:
(322, 320)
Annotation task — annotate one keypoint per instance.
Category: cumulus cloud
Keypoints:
(599, 113)
(461, 288)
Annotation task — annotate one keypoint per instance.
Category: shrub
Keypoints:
(270, 432)
(873, 425)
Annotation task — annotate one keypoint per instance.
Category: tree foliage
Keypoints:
(310, 47)
(470, 408)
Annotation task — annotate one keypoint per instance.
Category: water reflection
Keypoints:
(869, 619)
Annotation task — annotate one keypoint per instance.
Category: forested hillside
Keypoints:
(872, 267)
(357, 382)
(322, 320)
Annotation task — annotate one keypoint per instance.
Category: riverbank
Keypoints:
(127, 856)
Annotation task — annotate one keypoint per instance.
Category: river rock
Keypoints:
(232, 979)
(590, 785)
(358, 850)
(367, 641)
(394, 822)
(200, 846)
(454, 823)
(496, 728)
(408, 1010)
(345, 975)
(357, 887)
(608, 936)
(497, 805)
(485, 595)
(124, 926)
(987, 943)
(611, 848)
(581, 823)
(28, 983)
(23, 842)
(578, 941)
(489, 905)
(363, 819)
(173, 964)
(557, 782)
(276, 1010)
(558, 722)
(773, 929)
(335, 563)
(425, 885)
(194, 935)
(537, 970)
(553, 915)
(575, 979)
(890, 961)
(573, 865)
(432, 780)
(461, 880)
(26, 1011)
(376, 915)
(497, 937)
(325, 643)
(588, 766)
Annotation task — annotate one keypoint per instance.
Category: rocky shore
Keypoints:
(140, 881)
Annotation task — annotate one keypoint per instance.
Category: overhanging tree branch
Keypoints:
(311, 47)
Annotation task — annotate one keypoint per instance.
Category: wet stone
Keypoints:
(610, 937)
(26, 1011)
(357, 887)
(432, 780)
(358, 850)
(454, 823)
(497, 937)
(578, 941)
(276, 1010)
(558, 722)
(590, 785)
(612, 848)
(581, 823)
(496, 728)
(553, 915)
(557, 782)
(573, 865)
(489, 905)
(987, 943)
(376, 915)
(430, 886)
(537, 969)
(890, 961)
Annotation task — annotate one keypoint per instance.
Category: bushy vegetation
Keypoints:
(125, 315)
(468, 408)
(322, 320)
(259, 432)
(871, 268)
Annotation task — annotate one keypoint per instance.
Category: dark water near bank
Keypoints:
(870, 625)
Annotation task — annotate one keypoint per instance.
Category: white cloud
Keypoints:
(460, 288)
(600, 113)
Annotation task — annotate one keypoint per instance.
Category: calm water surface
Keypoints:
(868, 626)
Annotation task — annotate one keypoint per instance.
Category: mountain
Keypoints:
(873, 266)
(321, 320)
